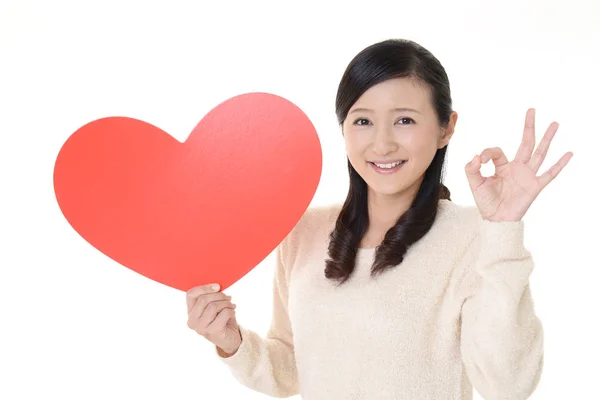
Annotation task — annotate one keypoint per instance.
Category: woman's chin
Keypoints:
(380, 190)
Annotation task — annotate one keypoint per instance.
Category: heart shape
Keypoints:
(206, 210)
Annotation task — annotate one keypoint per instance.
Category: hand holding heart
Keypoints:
(508, 194)
(212, 315)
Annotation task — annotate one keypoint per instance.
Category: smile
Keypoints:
(387, 168)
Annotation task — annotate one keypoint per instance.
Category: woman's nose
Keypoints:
(384, 142)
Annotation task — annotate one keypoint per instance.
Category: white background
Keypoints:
(76, 325)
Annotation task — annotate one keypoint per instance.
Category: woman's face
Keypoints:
(392, 134)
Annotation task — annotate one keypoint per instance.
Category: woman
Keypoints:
(399, 293)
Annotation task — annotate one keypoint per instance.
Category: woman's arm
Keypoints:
(501, 336)
(268, 365)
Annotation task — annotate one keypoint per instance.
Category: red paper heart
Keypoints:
(206, 210)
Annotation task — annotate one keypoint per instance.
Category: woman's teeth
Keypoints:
(393, 165)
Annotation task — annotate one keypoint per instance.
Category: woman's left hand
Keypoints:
(507, 195)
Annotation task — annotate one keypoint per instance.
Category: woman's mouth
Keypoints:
(388, 167)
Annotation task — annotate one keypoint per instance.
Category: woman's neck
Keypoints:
(384, 212)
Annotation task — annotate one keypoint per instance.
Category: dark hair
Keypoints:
(394, 58)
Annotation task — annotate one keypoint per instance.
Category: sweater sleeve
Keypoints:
(268, 365)
(501, 336)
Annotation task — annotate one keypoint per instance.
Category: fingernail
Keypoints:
(215, 286)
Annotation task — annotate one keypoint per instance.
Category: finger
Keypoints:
(192, 294)
(473, 171)
(194, 319)
(528, 142)
(210, 313)
(203, 301)
(553, 172)
(495, 154)
(540, 153)
(220, 321)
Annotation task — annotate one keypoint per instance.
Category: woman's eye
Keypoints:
(406, 119)
(364, 121)
(361, 121)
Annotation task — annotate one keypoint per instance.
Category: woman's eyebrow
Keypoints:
(401, 109)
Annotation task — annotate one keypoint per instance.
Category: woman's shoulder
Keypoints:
(458, 219)
(315, 225)
(455, 224)
(317, 220)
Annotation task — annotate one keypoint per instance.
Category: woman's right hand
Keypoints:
(212, 315)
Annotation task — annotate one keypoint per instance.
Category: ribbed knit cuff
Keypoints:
(502, 252)
(242, 357)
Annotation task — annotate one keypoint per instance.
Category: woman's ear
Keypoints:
(447, 132)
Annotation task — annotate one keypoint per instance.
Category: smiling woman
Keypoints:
(396, 115)
(399, 293)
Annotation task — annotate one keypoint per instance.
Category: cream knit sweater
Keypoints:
(456, 314)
